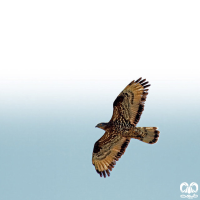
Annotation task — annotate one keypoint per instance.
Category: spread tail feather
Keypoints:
(147, 134)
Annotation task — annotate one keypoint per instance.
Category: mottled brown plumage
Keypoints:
(127, 110)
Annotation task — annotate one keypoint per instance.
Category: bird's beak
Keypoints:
(96, 126)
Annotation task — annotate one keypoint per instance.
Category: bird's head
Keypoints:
(101, 125)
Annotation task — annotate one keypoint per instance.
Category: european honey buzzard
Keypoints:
(127, 110)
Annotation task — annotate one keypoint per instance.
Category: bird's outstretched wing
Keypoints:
(128, 106)
(107, 150)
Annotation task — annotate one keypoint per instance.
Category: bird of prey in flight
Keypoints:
(127, 110)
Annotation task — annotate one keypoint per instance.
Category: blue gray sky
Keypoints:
(51, 102)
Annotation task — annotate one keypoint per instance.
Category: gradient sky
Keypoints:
(62, 65)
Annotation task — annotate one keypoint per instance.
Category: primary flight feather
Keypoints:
(127, 110)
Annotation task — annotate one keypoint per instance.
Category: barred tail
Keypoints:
(147, 134)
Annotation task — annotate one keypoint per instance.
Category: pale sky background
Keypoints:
(62, 64)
